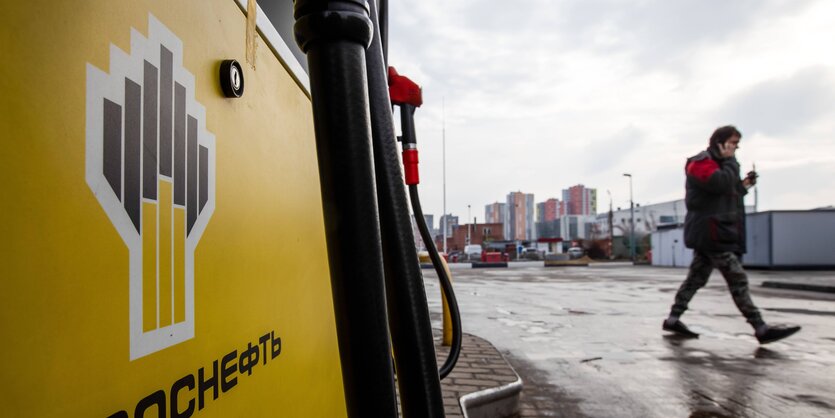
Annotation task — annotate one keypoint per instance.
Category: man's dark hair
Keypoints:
(720, 135)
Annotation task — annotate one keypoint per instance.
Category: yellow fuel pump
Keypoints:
(163, 250)
(204, 215)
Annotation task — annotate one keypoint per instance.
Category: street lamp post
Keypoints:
(515, 225)
(632, 222)
(469, 226)
(611, 226)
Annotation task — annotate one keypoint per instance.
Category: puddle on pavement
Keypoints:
(512, 323)
(577, 312)
(537, 330)
(811, 400)
(537, 339)
(802, 311)
(765, 353)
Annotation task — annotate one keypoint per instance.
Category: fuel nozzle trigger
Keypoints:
(406, 94)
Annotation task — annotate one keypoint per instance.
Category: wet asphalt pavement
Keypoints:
(587, 341)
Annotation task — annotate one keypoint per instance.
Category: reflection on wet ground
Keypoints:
(589, 343)
(802, 311)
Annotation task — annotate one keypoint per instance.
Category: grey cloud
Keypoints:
(786, 188)
(669, 176)
(782, 106)
(492, 46)
(802, 178)
(607, 153)
(521, 19)
(664, 28)
(654, 32)
(466, 58)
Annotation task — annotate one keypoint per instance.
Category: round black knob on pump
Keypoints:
(231, 78)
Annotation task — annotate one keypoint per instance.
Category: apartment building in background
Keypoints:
(549, 210)
(519, 222)
(580, 200)
(449, 222)
(495, 213)
(419, 245)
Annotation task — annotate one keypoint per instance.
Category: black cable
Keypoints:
(446, 284)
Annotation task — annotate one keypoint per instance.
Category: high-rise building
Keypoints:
(549, 229)
(549, 210)
(419, 245)
(449, 222)
(519, 222)
(579, 200)
(495, 213)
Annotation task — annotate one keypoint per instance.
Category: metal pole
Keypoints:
(443, 154)
(469, 226)
(756, 195)
(632, 222)
(335, 35)
(611, 226)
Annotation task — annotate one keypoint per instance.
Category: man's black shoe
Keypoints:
(679, 328)
(777, 332)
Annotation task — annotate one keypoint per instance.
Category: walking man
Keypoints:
(715, 229)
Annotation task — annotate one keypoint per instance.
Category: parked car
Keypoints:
(472, 252)
(575, 253)
(532, 254)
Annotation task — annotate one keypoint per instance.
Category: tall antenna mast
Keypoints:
(756, 195)
(443, 154)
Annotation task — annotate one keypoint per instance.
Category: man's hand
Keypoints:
(726, 150)
(750, 179)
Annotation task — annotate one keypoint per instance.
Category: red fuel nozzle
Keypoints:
(403, 91)
(406, 94)
(410, 166)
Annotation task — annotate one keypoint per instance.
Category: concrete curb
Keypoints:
(482, 265)
(559, 264)
(500, 401)
(800, 286)
(483, 383)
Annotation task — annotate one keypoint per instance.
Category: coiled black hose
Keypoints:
(446, 284)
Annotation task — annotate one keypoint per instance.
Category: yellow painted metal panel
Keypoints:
(166, 298)
(260, 265)
(149, 267)
(179, 265)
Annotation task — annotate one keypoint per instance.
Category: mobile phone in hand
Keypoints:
(752, 175)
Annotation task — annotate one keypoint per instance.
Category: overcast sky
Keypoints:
(540, 95)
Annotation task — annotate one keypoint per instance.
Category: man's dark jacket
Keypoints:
(715, 219)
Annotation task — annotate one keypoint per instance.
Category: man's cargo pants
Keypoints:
(731, 268)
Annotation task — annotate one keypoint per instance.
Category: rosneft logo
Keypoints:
(151, 164)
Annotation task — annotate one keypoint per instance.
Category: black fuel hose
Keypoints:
(446, 284)
(335, 35)
(409, 136)
(408, 312)
(383, 24)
